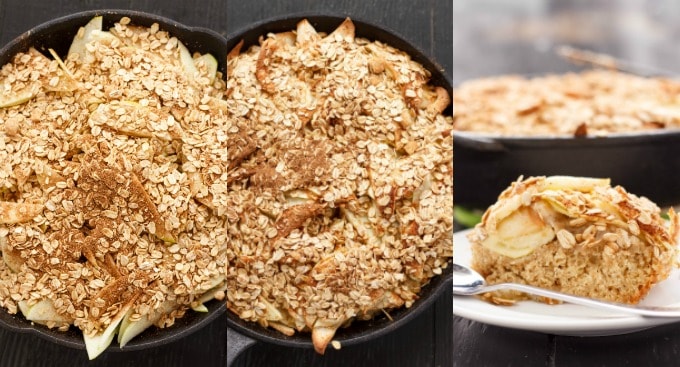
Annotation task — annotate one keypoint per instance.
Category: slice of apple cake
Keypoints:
(576, 235)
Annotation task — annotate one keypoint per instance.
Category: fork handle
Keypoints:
(649, 311)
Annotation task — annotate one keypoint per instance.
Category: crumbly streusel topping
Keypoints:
(340, 180)
(594, 103)
(119, 166)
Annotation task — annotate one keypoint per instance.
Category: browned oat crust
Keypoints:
(119, 166)
(340, 181)
(595, 103)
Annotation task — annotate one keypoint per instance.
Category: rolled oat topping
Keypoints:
(339, 183)
(112, 181)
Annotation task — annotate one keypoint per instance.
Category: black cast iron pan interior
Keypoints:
(358, 331)
(58, 34)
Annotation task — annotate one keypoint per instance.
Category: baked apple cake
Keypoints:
(339, 183)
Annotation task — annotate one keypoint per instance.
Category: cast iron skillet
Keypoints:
(646, 164)
(58, 34)
(241, 332)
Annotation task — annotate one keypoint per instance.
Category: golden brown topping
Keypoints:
(339, 182)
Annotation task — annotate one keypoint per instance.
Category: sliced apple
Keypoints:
(323, 332)
(141, 123)
(97, 344)
(92, 31)
(362, 225)
(24, 307)
(129, 329)
(12, 213)
(519, 234)
(199, 304)
(17, 98)
(210, 63)
(583, 184)
(67, 82)
(200, 308)
(11, 258)
(82, 39)
(42, 312)
(187, 61)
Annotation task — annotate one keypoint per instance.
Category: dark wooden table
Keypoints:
(426, 340)
(496, 37)
(204, 348)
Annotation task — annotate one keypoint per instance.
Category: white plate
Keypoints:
(562, 319)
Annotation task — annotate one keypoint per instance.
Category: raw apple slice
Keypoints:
(199, 304)
(12, 213)
(210, 65)
(144, 120)
(24, 307)
(97, 344)
(91, 31)
(42, 312)
(17, 98)
(12, 259)
(81, 39)
(130, 329)
(187, 61)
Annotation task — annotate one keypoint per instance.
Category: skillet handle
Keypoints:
(236, 344)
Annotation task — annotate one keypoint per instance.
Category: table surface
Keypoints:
(426, 340)
(498, 37)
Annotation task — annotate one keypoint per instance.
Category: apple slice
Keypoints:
(210, 65)
(24, 307)
(92, 31)
(187, 61)
(199, 304)
(42, 312)
(323, 332)
(144, 120)
(130, 329)
(17, 98)
(519, 234)
(82, 39)
(12, 259)
(12, 213)
(97, 344)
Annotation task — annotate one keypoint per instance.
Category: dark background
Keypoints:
(426, 340)
(205, 348)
